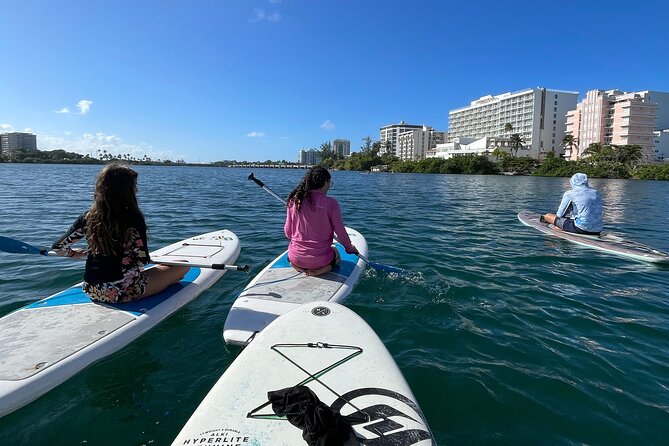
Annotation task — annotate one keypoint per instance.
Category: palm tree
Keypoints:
(497, 153)
(569, 141)
(508, 128)
(629, 154)
(517, 142)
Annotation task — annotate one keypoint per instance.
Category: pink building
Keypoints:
(614, 117)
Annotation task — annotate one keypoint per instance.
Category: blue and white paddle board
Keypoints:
(278, 289)
(605, 242)
(45, 343)
(331, 350)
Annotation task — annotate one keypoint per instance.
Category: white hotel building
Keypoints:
(409, 142)
(537, 114)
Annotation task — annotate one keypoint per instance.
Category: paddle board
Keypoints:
(278, 288)
(47, 342)
(604, 242)
(331, 350)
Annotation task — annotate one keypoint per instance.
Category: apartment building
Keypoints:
(620, 118)
(342, 147)
(661, 146)
(389, 136)
(16, 140)
(537, 114)
(309, 157)
(413, 144)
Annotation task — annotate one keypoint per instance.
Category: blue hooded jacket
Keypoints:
(586, 204)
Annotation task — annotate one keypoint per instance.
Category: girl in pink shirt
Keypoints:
(312, 219)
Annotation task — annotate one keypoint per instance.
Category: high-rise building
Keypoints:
(389, 136)
(16, 140)
(342, 147)
(661, 146)
(618, 118)
(309, 157)
(413, 144)
(537, 114)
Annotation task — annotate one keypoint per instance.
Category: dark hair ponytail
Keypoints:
(314, 179)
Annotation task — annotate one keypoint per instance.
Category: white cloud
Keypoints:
(328, 125)
(261, 15)
(255, 134)
(6, 127)
(94, 144)
(84, 106)
(63, 110)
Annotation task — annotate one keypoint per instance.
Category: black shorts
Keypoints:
(568, 225)
(333, 262)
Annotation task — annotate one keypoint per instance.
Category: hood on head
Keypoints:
(579, 179)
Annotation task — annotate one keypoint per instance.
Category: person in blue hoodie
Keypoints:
(580, 210)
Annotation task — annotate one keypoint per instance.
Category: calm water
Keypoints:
(506, 336)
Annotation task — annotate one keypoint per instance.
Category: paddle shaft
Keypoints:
(18, 247)
(184, 262)
(271, 192)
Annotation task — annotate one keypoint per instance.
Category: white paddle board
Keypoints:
(603, 242)
(47, 342)
(331, 350)
(278, 288)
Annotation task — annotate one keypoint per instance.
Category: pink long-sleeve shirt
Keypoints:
(311, 231)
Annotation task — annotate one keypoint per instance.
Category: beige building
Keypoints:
(619, 118)
(389, 136)
(342, 147)
(413, 144)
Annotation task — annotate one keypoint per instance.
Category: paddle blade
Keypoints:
(18, 247)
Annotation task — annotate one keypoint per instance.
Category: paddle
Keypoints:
(18, 247)
(379, 266)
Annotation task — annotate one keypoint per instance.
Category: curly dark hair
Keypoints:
(113, 201)
(314, 179)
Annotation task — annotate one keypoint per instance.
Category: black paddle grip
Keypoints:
(255, 180)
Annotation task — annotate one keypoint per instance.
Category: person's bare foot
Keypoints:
(319, 271)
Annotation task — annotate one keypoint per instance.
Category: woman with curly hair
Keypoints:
(115, 230)
(312, 219)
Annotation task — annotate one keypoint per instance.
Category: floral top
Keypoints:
(104, 269)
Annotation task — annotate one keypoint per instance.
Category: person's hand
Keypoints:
(353, 251)
(77, 253)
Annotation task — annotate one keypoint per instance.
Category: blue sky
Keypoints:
(207, 80)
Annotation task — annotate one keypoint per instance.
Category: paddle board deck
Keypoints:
(278, 288)
(49, 341)
(328, 348)
(604, 242)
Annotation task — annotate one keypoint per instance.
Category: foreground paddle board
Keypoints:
(47, 342)
(604, 242)
(278, 288)
(328, 348)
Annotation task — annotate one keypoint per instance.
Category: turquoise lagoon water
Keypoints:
(506, 336)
